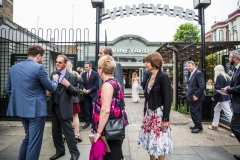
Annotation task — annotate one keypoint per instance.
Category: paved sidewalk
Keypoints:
(207, 145)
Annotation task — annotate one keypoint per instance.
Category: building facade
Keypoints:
(227, 30)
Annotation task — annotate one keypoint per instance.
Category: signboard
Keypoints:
(185, 72)
(229, 70)
(146, 9)
(16, 58)
(73, 59)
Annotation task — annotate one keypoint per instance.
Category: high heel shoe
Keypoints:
(78, 138)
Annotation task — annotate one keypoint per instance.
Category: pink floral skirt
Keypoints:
(152, 137)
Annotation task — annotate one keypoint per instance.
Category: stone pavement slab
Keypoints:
(213, 153)
(220, 142)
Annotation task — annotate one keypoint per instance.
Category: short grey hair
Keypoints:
(235, 53)
(192, 62)
(108, 51)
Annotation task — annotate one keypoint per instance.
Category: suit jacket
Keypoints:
(235, 91)
(221, 83)
(145, 78)
(118, 74)
(91, 84)
(76, 99)
(65, 97)
(196, 86)
(160, 94)
(26, 85)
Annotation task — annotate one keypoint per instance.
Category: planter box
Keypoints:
(208, 108)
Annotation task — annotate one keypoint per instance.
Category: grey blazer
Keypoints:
(76, 99)
(65, 98)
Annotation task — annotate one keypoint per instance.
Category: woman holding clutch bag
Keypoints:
(221, 80)
(109, 104)
(155, 134)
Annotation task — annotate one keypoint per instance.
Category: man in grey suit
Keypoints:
(195, 95)
(62, 110)
(26, 85)
(234, 89)
(118, 74)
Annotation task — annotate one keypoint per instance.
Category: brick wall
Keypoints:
(7, 9)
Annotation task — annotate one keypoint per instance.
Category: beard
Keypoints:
(231, 62)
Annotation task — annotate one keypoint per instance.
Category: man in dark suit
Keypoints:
(62, 110)
(26, 85)
(195, 95)
(90, 89)
(234, 89)
(118, 74)
(146, 75)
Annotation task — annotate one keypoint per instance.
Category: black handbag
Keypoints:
(114, 129)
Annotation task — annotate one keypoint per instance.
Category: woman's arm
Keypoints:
(107, 89)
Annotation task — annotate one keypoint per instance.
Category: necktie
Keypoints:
(59, 73)
(234, 71)
(88, 76)
(190, 76)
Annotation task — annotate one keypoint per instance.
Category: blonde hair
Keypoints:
(219, 69)
(69, 66)
(107, 63)
(210, 82)
(134, 75)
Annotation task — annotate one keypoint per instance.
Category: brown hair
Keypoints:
(34, 50)
(155, 59)
(64, 57)
(88, 62)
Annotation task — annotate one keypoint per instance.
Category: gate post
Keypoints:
(98, 4)
(97, 34)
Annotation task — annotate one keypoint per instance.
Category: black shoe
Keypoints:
(57, 155)
(75, 156)
(86, 126)
(196, 130)
(236, 156)
(192, 127)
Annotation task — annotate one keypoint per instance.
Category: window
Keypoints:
(234, 25)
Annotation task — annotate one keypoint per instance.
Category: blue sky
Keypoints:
(80, 14)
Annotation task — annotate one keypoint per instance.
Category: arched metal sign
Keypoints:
(146, 9)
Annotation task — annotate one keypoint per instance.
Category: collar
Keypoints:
(193, 71)
(237, 66)
(63, 72)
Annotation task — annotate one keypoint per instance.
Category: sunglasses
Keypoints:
(58, 62)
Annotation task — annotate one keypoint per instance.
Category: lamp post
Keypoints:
(98, 4)
(201, 5)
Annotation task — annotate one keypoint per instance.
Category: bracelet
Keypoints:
(99, 132)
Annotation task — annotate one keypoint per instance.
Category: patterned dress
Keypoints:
(117, 110)
(152, 137)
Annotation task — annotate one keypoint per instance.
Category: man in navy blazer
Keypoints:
(90, 88)
(26, 85)
(195, 95)
(234, 89)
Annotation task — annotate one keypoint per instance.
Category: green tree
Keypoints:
(211, 62)
(187, 32)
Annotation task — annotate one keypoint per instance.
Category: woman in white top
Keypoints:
(135, 88)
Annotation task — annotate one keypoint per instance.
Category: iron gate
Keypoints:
(14, 46)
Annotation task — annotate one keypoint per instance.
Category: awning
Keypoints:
(193, 50)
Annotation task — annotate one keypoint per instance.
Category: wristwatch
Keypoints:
(89, 90)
